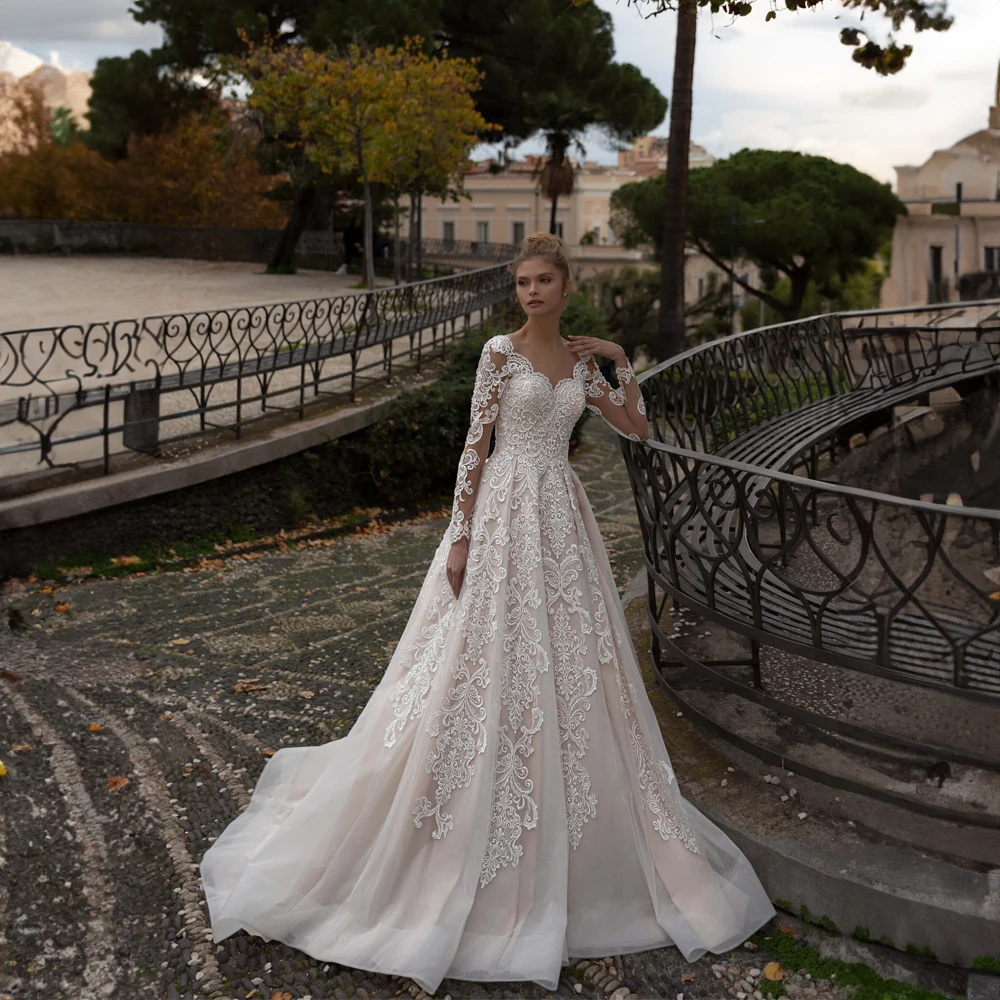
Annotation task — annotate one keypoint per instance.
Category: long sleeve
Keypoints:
(491, 376)
(623, 408)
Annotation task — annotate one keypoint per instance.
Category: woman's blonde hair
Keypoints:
(552, 248)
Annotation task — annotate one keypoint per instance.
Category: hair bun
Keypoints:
(537, 241)
(546, 245)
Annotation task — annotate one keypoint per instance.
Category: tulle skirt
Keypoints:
(504, 803)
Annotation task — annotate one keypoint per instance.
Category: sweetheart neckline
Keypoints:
(535, 371)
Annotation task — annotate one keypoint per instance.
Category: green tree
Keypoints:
(888, 58)
(806, 218)
(63, 127)
(136, 96)
(620, 102)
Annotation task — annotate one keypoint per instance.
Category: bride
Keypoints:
(505, 802)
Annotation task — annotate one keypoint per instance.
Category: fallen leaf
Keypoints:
(785, 929)
(3, 770)
(47, 590)
(249, 685)
(126, 561)
(180, 642)
(9, 675)
(361, 589)
(22, 747)
(995, 596)
(267, 751)
(96, 727)
(62, 607)
(307, 694)
(688, 977)
(115, 782)
(774, 972)
(281, 995)
(166, 717)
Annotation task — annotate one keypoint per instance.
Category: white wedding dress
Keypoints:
(505, 802)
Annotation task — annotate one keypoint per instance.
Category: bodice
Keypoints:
(535, 417)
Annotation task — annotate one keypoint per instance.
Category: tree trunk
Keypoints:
(284, 249)
(395, 237)
(369, 248)
(411, 237)
(800, 286)
(420, 236)
(671, 319)
(552, 215)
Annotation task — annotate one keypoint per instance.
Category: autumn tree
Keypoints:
(198, 174)
(868, 51)
(425, 148)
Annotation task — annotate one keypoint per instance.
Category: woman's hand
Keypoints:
(594, 345)
(457, 558)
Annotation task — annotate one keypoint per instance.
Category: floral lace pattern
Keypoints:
(529, 555)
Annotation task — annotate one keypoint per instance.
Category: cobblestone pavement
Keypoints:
(144, 713)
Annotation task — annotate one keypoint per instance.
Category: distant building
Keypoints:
(505, 204)
(648, 156)
(59, 88)
(953, 228)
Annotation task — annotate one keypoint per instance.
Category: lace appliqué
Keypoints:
(669, 821)
(485, 406)
(575, 683)
(409, 693)
(459, 726)
(524, 658)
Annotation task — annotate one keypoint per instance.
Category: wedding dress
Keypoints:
(504, 803)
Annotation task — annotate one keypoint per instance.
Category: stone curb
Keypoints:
(135, 484)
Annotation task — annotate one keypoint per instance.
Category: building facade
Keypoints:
(953, 227)
(504, 204)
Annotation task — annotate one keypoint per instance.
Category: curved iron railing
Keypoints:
(83, 392)
(738, 527)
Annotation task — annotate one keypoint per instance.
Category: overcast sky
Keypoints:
(788, 84)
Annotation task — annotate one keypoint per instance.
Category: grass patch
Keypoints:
(986, 963)
(924, 952)
(868, 984)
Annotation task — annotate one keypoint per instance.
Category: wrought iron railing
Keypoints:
(738, 526)
(75, 394)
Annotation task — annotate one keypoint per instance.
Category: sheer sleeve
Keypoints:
(491, 377)
(623, 408)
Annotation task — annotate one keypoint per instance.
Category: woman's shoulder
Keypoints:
(499, 344)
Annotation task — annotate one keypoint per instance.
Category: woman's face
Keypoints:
(540, 287)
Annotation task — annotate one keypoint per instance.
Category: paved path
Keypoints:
(129, 750)
(46, 290)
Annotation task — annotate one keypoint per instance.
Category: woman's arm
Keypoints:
(490, 378)
(623, 408)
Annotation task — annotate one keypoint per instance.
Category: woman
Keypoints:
(505, 802)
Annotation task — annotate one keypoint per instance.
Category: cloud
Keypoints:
(886, 99)
(47, 23)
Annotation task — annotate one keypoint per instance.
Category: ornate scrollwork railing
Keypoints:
(739, 527)
(79, 392)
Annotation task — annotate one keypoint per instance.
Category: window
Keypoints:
(937, 263)
(517, 232)
(483, 232)
(701, 288)
(992, 259)
(448, 232)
